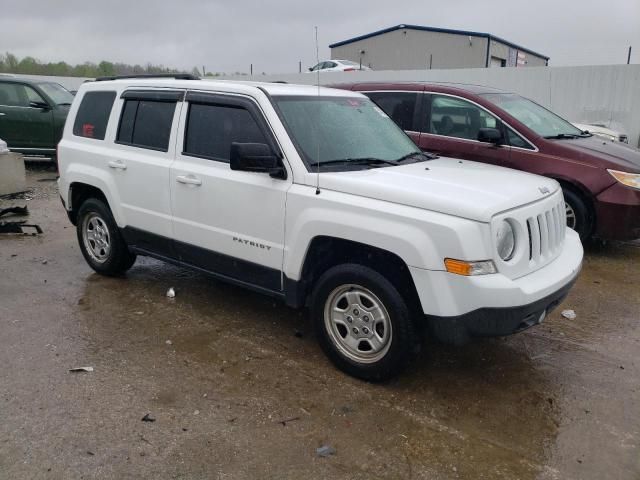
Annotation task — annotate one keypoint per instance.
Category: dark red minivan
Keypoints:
(600, 179)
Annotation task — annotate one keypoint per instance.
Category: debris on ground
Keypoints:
(569, 314)
(325, 451)
(24, 195)
(44, 262)
(18, 227)
(287, 420)
(51, 179)
(148, 418)
(169, 342)
(20, 211)
(171, 293)
(81, 369)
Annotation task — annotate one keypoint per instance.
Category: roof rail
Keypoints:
(177, 76)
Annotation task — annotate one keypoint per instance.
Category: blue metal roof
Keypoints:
(404, 26)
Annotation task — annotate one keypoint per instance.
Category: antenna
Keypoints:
(317, 137)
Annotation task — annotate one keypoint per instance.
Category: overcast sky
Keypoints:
(227, 36)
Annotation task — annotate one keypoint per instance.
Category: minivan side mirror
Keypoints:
(256, 157)
(43, 105)
(490, 135)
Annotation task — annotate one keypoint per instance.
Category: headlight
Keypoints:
(629, 179)
(505, 240)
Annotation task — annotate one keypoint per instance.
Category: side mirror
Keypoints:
(42, 105)
(256, 157)
(311, 69)
(490, 135)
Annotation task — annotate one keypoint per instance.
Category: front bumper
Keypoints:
(618, 213)
(495, 322)
(459, 307)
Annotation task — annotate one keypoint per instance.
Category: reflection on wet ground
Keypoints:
(236, 393)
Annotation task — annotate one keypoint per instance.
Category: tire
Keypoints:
(104, 250)
(578, 216)
(373, 349)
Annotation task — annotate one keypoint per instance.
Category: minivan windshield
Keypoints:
(542, 121)
(344, 132)
(57, 93)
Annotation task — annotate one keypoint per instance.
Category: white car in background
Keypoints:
(601, 131)
(338, 66)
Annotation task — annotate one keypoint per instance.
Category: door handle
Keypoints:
(117, 164)
(189, 180)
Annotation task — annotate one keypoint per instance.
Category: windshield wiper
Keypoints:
(561, 136)
(355, 161)
(426, 155)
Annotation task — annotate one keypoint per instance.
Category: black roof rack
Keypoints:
(177, 76)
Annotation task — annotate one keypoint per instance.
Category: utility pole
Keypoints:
(629, 56)
(251, 69)
(204, 72)
(300, 66)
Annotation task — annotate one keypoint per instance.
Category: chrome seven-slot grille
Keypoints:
(546, 232)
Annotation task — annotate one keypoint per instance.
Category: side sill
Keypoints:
(217, 276)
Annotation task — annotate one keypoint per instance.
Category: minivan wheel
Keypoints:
(100, 241)
(362, 322)
(577, 214)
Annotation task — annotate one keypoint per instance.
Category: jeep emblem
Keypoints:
(544, 190)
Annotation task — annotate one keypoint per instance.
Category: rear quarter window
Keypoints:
(93, 115)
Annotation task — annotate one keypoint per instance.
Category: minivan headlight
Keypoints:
(505, 240)
(629, 179)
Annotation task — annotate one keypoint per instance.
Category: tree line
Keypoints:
(10, 63)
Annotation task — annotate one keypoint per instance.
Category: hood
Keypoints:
(614, 155)
(472, 190)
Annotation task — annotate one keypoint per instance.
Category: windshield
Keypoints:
(57, 93)
(537, 118)
(342, 129)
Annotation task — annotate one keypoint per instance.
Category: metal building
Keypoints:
(413, 47)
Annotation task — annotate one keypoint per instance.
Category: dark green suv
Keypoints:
(32, 114)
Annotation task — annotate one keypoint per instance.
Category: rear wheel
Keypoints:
(100, 241)
(362, 322)
(578, 217)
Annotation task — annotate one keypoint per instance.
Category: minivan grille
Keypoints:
(546, 233)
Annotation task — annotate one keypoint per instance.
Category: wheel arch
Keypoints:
(78, 193)
(325, 252)
(581, 191)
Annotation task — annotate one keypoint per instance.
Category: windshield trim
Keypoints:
(300, 151)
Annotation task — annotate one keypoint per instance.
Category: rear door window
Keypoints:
(93, 115)
(146, 124)
(211, 129)
(400, 106)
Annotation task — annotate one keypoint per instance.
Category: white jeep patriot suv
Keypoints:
(314, 196)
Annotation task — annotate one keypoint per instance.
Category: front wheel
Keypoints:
(578, 217)
(362, 322)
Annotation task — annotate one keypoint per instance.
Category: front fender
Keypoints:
(421, 238)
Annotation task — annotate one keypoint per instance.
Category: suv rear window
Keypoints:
(93, 115)
(212, 128)
(146, 124)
